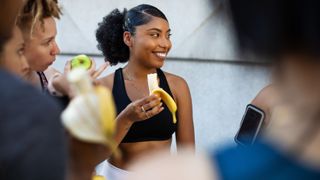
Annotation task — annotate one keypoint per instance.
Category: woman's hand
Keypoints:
(93, 72)
(142, 109)
(60, 83)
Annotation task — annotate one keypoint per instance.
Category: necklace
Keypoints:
(129, 78)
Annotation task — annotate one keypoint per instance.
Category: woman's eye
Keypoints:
(47, 43)
(169, 35)
(21, 51)
(154, 35)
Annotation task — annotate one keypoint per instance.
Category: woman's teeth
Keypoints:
(161, 55)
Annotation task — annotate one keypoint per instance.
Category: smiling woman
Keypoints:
(141, 37)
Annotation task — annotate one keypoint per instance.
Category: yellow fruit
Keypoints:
(96, 177)
(91, 114)
(108, 116)
(107, 110)
(168, 100)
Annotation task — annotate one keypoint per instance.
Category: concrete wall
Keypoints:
(203, 53)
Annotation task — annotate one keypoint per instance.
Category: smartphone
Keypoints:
(250, 125)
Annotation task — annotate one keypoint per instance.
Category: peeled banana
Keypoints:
(166, 98)
(90, 116)
(96, 177)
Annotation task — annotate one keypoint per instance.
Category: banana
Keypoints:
(96, 177)
(90, 116)
(166, 98)
(108, 116)
(107, 110)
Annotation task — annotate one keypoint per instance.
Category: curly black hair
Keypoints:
(110, 31)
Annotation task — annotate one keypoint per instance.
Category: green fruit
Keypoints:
(81, 61)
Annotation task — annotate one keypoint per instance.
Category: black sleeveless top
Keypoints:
(156, 128)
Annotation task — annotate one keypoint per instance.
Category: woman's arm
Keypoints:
(133, 112)
(264, 101)
(185, 128)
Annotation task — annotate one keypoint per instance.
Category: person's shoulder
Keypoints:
(264, 96)
(107, 80)
(175, 80)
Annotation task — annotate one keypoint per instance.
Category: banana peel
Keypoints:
(165, 97)
(90, 116)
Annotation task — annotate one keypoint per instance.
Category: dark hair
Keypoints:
(110, 31)
(273, 27)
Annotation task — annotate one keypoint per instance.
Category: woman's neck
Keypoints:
(33, 78)
(137, 71)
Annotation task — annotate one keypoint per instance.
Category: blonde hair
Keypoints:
(36, 11)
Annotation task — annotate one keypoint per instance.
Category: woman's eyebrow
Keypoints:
(154, 29)
(157, 29)
(48, 39)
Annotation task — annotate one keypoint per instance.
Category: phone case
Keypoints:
(258, 110)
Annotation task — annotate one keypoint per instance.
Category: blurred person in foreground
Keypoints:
(32, 143)
(286, 32)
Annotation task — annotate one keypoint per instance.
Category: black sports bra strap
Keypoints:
(118, 84)
(43, 81)
(163, 82)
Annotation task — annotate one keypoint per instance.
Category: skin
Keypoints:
(184, 166)
(41, 49)
(266, 100)
(149, 39)
(13, 58)
(8, 12)
(83, 158)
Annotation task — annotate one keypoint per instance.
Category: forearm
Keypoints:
(123, 125)
(83, 158)
(187, 141)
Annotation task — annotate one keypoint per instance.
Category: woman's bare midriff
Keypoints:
(132, 151)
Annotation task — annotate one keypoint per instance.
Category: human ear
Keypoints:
(127, 38)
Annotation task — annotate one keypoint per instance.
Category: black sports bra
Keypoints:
(156, 128)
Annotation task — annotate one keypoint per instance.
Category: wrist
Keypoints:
(124, 119)
(51, 87)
